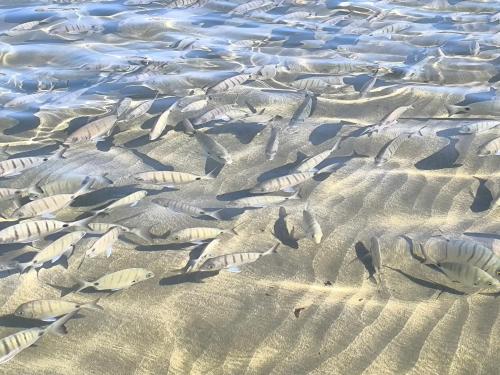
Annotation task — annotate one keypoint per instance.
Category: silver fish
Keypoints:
(262, 200)
(94, 131)
(12, 345)
(12, 167)
(49, 309)
(230, 83)
(302, 112)
(285, 183)
(273, 143)
(213, 149)
(199, 234)
(226, 112)
(104, 244)
(390, 148)
(162, 122)
(182, 207)
(312, 227)
(478, 127)
(235, 260)
(118, 280)
(309, 164)
(170, 178)
(469, 276)
(62, 246)
(490, 148)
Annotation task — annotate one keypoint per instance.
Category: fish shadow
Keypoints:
(446, 157)
(426, 283)
(281, 232)
(192, 277)
(364, 256)
(244, 132)
(482, 198)
(14, 321)
(324, 132)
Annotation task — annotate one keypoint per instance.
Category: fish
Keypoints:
(367, 87)
(12, 345)
(123, 107)
(68, 184)
(32, 230)
(309, 164)
(232, 262)
(65, 245)
(317, 83)
(376, 258)
(273, 143)
(162, 122)
(463, 251)
(260, 201)
(185, 208)
(490, 148)
(45, 207)
(130, 200)
(171, 178)
(115, 281)
(389, 149)
(104, 244)
(138, 111)
(213, 149)
(12, 167)
(25, 27)
(199, 234)
(312, 227)
(94, 131)
(285, 183)
(303, 111)
(48, 310)
(393, 28)
(478, 127)
(469, 276)
(230, 83)
(251, 6)
(225, 112)
(197, 105)
(7, 193)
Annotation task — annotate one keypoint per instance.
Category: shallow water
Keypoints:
(235, 94)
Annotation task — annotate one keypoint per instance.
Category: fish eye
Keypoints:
(149, 275)
(467, 108)
(176, 237)
(198, 178)
(45, 159)
(20, 312)
(96, 284)
(65, 225)
(133, 281)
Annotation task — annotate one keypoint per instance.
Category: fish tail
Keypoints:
(272, 250)
(142, 233)
(86, 186)
(85, 221)
(60, 152)
(233, 229)
(81, 284)
(23, 266)
(211, 175)
(93, 305)
(216, 214)
(58, 328)
(453, 109)
(188, 127)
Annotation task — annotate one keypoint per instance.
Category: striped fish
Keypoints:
(490, 148)
(394, 116)
(45, 207)
(170, 178)
(469, 276)
(478, 127)
(162, 122)
(138, 111)
(123, 107)
(49, 309)
(464, 251)
(94, 131)
(312, 227)
(302, 112)
(310, 163)
(234, 261)
(230, 83)
(197, 105)
(213, 149)
(12, 167)
(317, 83)
(225, 112)
(273, 143)
(390, 148)
(7, 193)
(104, 244)
(130, 200)
(262, 200)
(251, 6)
(185, 208)
(199, 234)
(285, 183)
(12, 345)
(62, 246)
(118, 280)
(32, 230)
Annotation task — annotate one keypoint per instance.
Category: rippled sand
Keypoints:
(310, 309)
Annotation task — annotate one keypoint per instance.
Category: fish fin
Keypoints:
(58, 328)
(211, 175)
(48, 215)
(453, 109)
(93, 305)
(272, 250)
(250, 107)
(49, 320)
(109, 251)
(23, 266)
(289, 189)
(55, 259)
(214, 214)
(134, 204)
(234, 269)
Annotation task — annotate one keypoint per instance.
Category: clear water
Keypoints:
(403, 93)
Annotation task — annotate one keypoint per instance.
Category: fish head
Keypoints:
(209, 265)
(148, 275)
(465, 129)
(23, 312)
